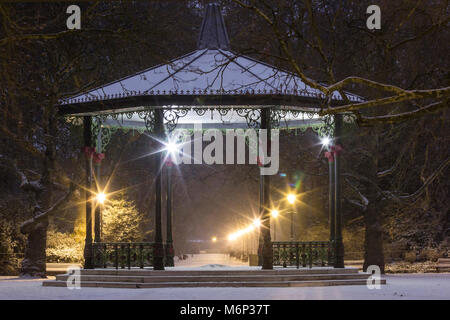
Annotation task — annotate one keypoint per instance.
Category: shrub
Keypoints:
(9, 261)
(410, 256)
(63, 247)
(122, 222)
(431, 254)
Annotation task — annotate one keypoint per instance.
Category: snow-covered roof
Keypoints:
(212, 76)
(206, 71)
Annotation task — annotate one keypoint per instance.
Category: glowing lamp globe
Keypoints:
(101, 197)
(325, 141)
(171, 147)
(291, 198)
(257, 223)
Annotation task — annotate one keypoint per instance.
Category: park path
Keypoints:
(209, 260)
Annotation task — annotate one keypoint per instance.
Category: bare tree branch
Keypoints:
(27, 226)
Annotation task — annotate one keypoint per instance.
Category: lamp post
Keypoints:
(274, 214)
(87, 134)
(243, 248)
(257, 224)
(335, 213)
(339, 246)
(169, 240)
(326, 142)
(171, 149)
(98, 156)
(291, 199)
(98, 221)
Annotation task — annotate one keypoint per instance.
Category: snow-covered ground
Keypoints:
(399, 287)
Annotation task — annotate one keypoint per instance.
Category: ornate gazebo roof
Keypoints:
(213, 78)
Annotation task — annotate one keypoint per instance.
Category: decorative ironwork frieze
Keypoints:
(280, 118)
(327, 127)
(149, 119)
(106, 132)
(200, 111)
(277, 116)
(252, 117)
(171, 117)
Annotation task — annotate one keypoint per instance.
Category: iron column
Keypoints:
(98, 207)
(274, 229)
(331, 217)
(261, 212)
(339, 247)
(267, 253)
(292, 224)
(169, 239)
(158, 252)
(87, 127)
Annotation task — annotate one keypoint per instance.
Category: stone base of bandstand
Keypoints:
(227, 277)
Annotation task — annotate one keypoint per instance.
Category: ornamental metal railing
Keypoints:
(123, 254)
(302, 253)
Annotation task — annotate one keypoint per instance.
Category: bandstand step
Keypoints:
(278, 271)
(214, 278)
(107, 278)
(315, 283)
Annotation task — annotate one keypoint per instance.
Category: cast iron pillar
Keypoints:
(88, 252)
(331, 217)
(169, 239)
(274, 229)
(339, 246)
(291, 217)
(158, 250)
(98, 207)
(261, 212)
(267, 253)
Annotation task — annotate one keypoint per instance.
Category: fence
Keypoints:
(123, 254)
(302, 253)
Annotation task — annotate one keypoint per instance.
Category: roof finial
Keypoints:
(213, 34)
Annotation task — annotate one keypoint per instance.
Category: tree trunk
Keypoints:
(34, 262)
(373, 240)
(35, 258)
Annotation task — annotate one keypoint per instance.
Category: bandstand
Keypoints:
(220, 89)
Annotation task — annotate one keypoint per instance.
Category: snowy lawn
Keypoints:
(399, 286)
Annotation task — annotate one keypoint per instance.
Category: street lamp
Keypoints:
(214, 239)
(291, 199)
(275, 215)
(171, 148)
(325, 141)
(101, 197)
